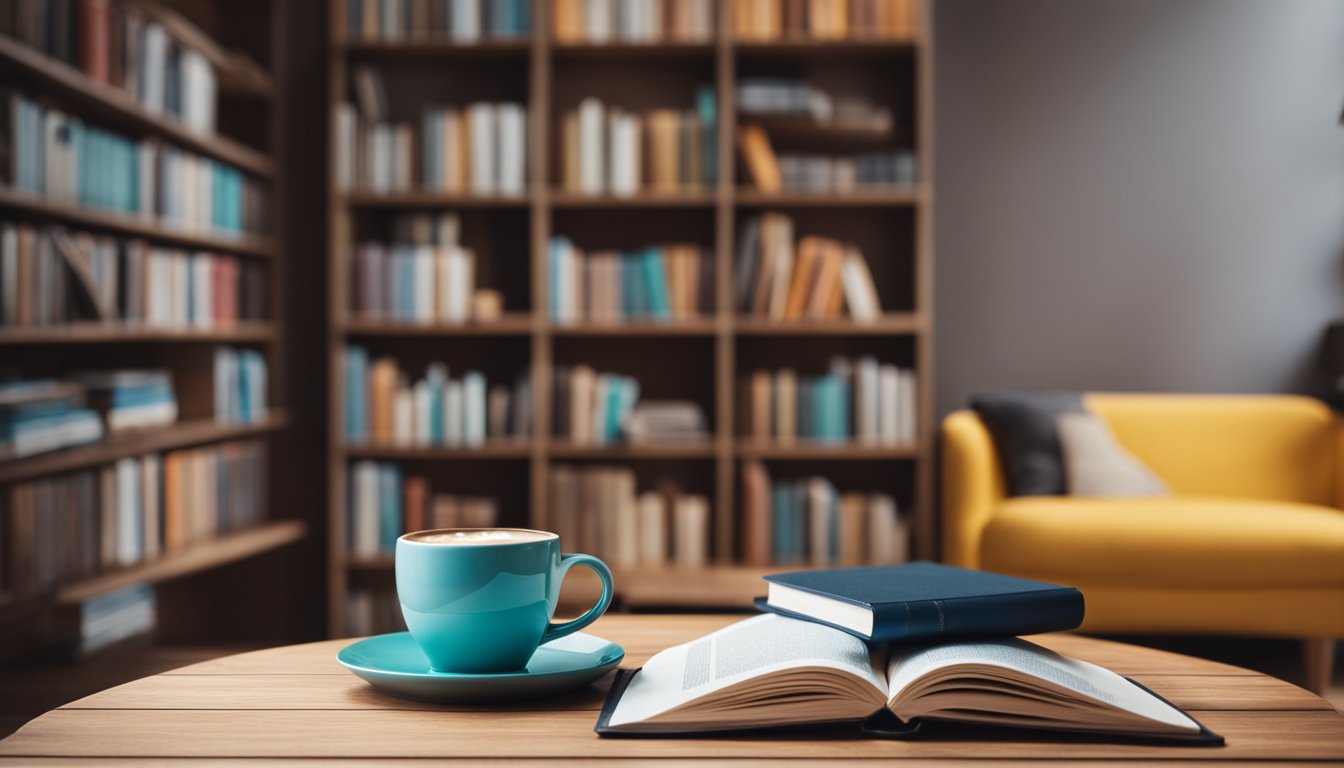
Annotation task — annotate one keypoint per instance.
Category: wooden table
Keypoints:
(280, 705)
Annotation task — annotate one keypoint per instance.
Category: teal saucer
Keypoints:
(395, 665)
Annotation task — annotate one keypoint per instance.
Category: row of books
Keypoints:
(240, 386)
(51, 276)
(633, 21)
(481, 148)
(52, 155)
(462, 21)
(661, 282)
(383, 405)
(149, 56)
(598, 509)
(808, 521)
(386, 502)
(768, 20)
(590, 408)
(372, 611)
(812, 278)
(40, 415)
(856, 400)
(766, 98)
(828, 173)
(72, 526)
(605, 149)
(413, 283)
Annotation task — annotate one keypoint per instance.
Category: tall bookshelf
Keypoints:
(700, 359)
(243, 42)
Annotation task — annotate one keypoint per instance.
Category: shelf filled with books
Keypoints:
(696, 199)
(140, 228)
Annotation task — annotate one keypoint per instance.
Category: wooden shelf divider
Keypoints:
(117, 333)
(713, 217)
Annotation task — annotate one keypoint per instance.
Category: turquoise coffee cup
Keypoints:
(481, 600)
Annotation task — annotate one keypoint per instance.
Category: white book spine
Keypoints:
(888, 416)
(364, 525)
(866, 408)
(154, 64)
(128, 511)
(452, 412)
(420, 420)
(483, 127)
(202, 290)
(652, 524)
(474, 408)
(626, 550)
(466, 21)
(888, 537)
(691, 531)
(459, 285)
(624, 155)
(598, 18)
(151, 471)
(591, 143)
(906, 400)
(601, 403)
(512, 148)
(403, 414)
(818, 518)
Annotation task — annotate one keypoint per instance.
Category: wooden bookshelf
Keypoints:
(700, 359)
(245, 44)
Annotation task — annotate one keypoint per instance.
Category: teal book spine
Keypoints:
(559, 246)
(389, 506)
(356, 394)
(780, 530)
(660, 306)
(436, 377)
(708, 109)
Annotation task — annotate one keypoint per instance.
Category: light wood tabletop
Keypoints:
(294, 704)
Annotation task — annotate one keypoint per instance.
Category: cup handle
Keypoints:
(553, 630)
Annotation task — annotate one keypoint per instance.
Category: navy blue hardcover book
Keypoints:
(920, 601)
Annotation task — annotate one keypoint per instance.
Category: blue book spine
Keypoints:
(356, 394)
(559, 246)
(779, 513)
(436, 377)
(389, 506)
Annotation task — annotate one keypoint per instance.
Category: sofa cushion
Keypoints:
(1022, 425)
(1166, 541)
(1097, 466)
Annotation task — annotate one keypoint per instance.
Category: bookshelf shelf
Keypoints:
(703, 359)
(622, 51)
(501, 449)
(111, 333)
(431, 49)
(106, 102)
(865, 198)
(401, 200)
(563, 199)
(704, 327)
(183, 434)
(510, 324)
(221, 550)
(696, 450)
(895, 324)
(134, 226)
(805, 450)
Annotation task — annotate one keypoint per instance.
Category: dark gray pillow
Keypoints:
(1022, 425)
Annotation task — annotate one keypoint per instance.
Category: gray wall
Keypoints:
(1137, 194)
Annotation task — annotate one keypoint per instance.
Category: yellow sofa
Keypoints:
(1251, 541)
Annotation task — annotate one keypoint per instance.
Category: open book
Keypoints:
(773, 671)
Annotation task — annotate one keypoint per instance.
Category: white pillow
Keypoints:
(1096, 465)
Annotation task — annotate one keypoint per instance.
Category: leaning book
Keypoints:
(775, 672)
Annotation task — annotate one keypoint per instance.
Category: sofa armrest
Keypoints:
(972, 486)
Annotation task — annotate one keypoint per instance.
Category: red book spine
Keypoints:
(96, 32)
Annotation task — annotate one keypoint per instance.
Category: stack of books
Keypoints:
(666, 422)
(40, 415)
(660, 283)
(131, 399)
(605, 149)
(772, 172)
(116, 616)
(50, 276)
(480, 148)
(72, 526)
(462, 21)
(240, 386)
(773, 20)
(384, 406)
(855, 401)
(806, 520)
(767, 98)
(385, 502)
(372, 611)
(591, 408)
(57, 157)
(817, 278)
(633, 21)
(598, 509)
(150, 52)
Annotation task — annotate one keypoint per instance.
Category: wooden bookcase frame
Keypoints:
(723, 584)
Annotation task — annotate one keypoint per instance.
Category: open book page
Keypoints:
(820, 660)
(1013, 681)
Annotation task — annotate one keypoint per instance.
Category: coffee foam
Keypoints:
(479, 537)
